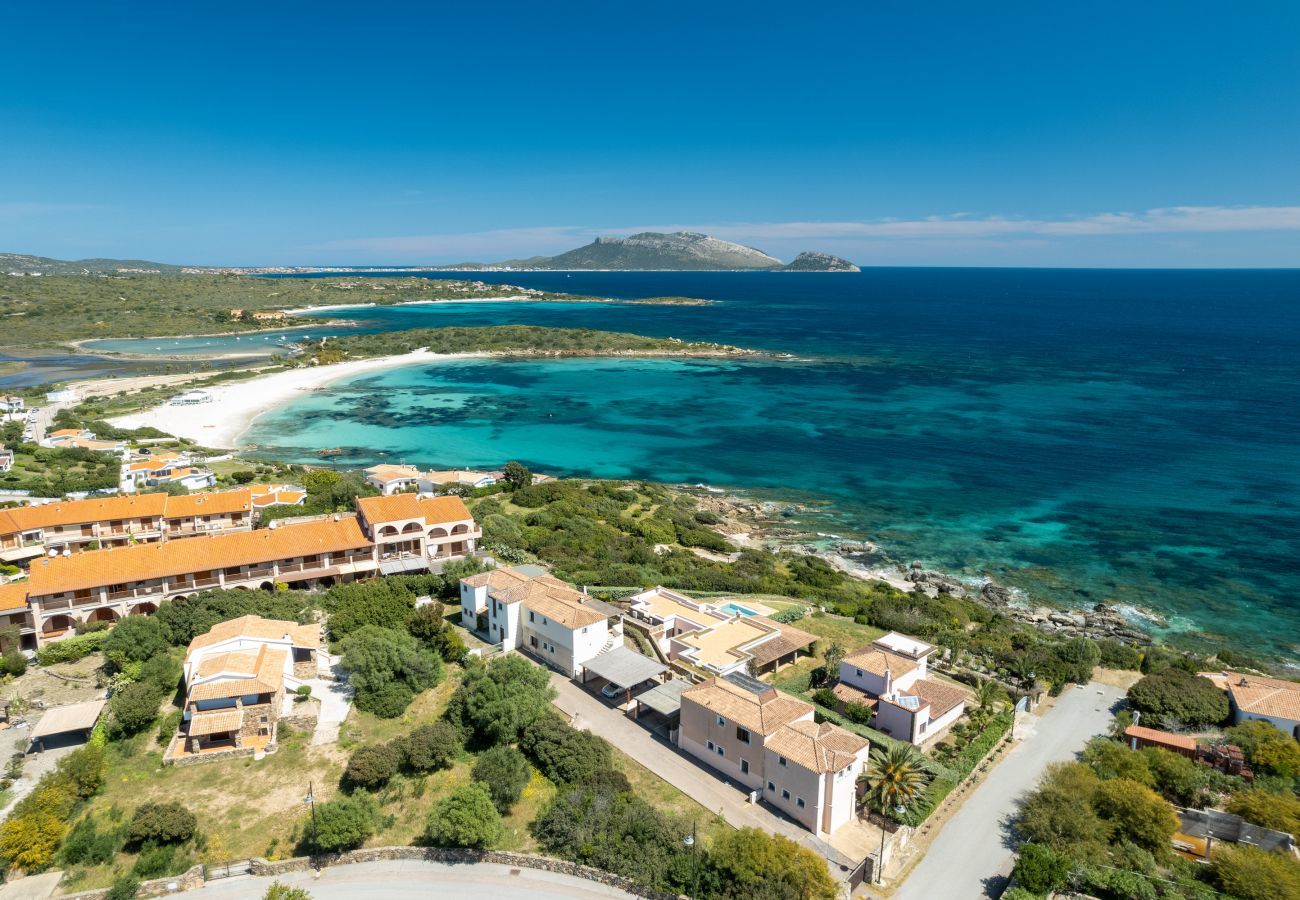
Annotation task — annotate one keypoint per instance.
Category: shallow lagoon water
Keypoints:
(1086, 436)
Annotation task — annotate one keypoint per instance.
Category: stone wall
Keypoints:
(192, 878)
(438, 855)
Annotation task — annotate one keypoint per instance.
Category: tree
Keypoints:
(752, 862)
(1113, 760)
(429, 625)
(1178, 778)
(516, 475)
(1280, 757)
(243, 476)
(1059, 813)
(378, 601)
(134, 639)
(989, 695)
(134, 707)
(387, 667)
(28, 842)
(1174, 695)
(895, 777)
(465, 818)
(563, 753)
(1041, 869)
(499, 700)
(345, 823)
(161, 823)
(373, 765)
(506, 773)
(1280, 812)
(278, 890)
(832, 658)
(1251, 873)
(1080, 656)
(431, 747)
(321, 481)
(1137, 813)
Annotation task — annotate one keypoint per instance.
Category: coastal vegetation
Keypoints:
(518, 340)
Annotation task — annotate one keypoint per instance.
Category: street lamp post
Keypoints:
(689, 841)
(310, 800)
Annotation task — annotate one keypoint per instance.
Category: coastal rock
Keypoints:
(815, 261)
(992, 593)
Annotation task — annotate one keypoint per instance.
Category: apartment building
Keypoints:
(526, 608)
(236, 679)
(769, 742)
(890, 676)
(105, 585)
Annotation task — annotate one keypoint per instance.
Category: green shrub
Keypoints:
(87, 845)
(1174, 696)
(158, 861)
(124, 888)
(1041, 869)
(72, 648)
(344, 823)
(565, 754)
(465, 818)
(161, 823)
(373, 765)
(506, 773)
(431, 747)
(826, 697)
(134, 707)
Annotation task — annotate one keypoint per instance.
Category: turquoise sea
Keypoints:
(1131, 436)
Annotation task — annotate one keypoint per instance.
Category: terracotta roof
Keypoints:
(67, 432)
(563, 606)
(215, 722)
(13, 596)
(289, 498)
(267, 677)
(216, 503)
(1262, 696)
(850, 694)
(789, 640)
(257, 628)
(1181, 741)
(241, 662)
(874, 660)
(763, 713)
(75, 512)
(817, 748)
(396, 507)
(942, 696)
(387, 473)
(142, 562)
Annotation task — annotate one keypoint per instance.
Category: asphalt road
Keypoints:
(972, 856)
(412, 878)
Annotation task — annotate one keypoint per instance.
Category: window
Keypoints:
(721, 721)
(721, 751)
(771, 787)
(780, 760)
(742, 735)
(799, 802)
(744, 767)
(584, 630)
(785, 795)
(859, 671)
(531, 617)
(710, 745)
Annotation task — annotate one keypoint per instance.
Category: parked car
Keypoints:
(611, 691)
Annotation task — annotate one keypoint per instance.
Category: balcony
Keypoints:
(143, 593)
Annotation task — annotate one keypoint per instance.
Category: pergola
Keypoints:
(67, 720)
(623, 667)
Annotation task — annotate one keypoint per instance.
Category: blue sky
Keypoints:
(1010, 133)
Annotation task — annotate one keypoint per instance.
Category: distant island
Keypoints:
(649, 251)
(680, 251)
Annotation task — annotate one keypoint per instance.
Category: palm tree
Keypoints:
(989, 696)
(895, 779)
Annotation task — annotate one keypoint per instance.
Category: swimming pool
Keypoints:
(735, 609)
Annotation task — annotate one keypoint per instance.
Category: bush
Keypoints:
(826, 697)
(506, 773)
(13, 663)
(161, 823)
(387, 667)
(87, 845)
(1254, 874)
(124, 888)
(1041, 869)
(465, 818)
(563, 753)
(751, 862)
(373, 765)
(345, 823)
(375, 602)
(788, 615)
(498, 701)
(71, 649)
(134, 639)
(134, 707)
(158, 861)
(1280, 812)
(431, 747)
(29, 841)
(278, 890)
(429, 626)
(168, 725)
(1175, 696)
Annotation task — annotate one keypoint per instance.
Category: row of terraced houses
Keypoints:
(153, 548)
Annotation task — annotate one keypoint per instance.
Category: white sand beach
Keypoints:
(234, 406)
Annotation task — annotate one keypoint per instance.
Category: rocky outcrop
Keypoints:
(815, 261)
(650, 250)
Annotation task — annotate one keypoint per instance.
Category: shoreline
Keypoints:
(233, 408)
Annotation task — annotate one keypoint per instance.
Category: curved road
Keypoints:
(411, 878)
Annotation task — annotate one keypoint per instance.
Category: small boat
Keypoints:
(330, 451)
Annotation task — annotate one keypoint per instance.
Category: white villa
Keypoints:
(890, 677)
(526, 608)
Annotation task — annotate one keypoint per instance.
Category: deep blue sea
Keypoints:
(1086, 435)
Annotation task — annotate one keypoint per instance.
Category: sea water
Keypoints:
(1088, 436)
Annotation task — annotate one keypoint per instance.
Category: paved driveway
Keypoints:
(416, 878)
(681, 771)
(973, 854)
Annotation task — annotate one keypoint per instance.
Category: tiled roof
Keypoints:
(789, 640)
(1181, 741)
(396, 507)
(267, 678)
(1262, 696)
(97, 568)
(874, 660)
(563, 606)
(215, 722)
(850, 694)
(817, 748)
(133, 506)
(942, 696)
(255, 627)
(241, 662)
(13, 596)
(763, 713)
